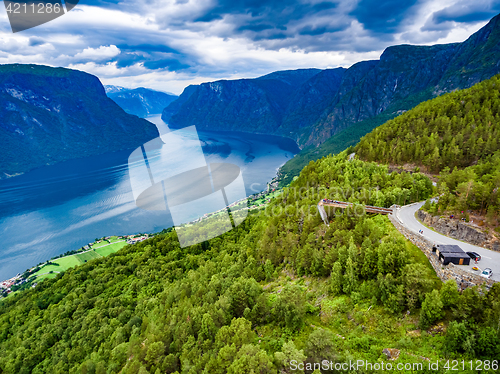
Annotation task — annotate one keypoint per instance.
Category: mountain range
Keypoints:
(140, 101)
(311, 105)
(229, 304)
(48, 115)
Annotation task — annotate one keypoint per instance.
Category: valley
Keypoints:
(62, 207)
(329, 262)
(50, 115)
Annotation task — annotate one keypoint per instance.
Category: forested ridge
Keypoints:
(456, 129)
(456, 135)
(49, 115)
(281, 286)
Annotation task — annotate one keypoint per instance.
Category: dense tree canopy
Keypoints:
(455, 129)
(282, 286)
(456, 135)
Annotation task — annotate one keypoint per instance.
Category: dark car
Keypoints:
(474, 255)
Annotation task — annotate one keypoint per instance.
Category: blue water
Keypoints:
(62, 207)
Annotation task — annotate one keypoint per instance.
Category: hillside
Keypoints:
(280, 287)
(254, 105)
(456, 129)
(457, 136)
(140, 101)
(49, 115)
(345, 139)
(310, 106)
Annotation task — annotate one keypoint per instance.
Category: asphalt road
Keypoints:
(489, 259)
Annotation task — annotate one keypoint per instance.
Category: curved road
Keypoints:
(489, 259)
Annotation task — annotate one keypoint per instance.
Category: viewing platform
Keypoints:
(344, 205)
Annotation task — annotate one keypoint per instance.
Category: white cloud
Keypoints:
(99, 40)
(98, 54)
(417, 33)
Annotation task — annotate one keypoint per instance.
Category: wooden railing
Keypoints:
(344, 205)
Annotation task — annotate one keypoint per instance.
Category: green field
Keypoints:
(49, 268)
(67, 262)
(263, 199)
(104, 251)
(46, 276)
(64, 263)
(101, 244)
(86, 256)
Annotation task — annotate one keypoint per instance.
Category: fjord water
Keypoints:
(62, 207)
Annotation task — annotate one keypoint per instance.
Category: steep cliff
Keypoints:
(254, 105)
(459, 230)
(49, 115)
(312, 110)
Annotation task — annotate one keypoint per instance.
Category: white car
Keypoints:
(487, 273)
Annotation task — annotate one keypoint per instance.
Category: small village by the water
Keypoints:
(111, 244)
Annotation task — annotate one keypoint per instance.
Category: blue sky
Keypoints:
(169, 44)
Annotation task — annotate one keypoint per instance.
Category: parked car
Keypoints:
(487, 273)
(474, 255)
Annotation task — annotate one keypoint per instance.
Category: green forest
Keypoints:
(281, 287)
(456, 136)
(348, 137)
(475, 187)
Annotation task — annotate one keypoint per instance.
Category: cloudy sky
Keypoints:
(169, 44)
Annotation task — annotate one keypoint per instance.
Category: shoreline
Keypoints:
(268, 137)
(18, 279)
(272, 184)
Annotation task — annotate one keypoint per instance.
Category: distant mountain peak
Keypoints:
(140, 101)
(297, 76)
(113, 89)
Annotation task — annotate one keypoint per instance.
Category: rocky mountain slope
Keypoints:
(310, 105)
(140, 101)
(49, 115)
(459, 230)
(255, 105)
